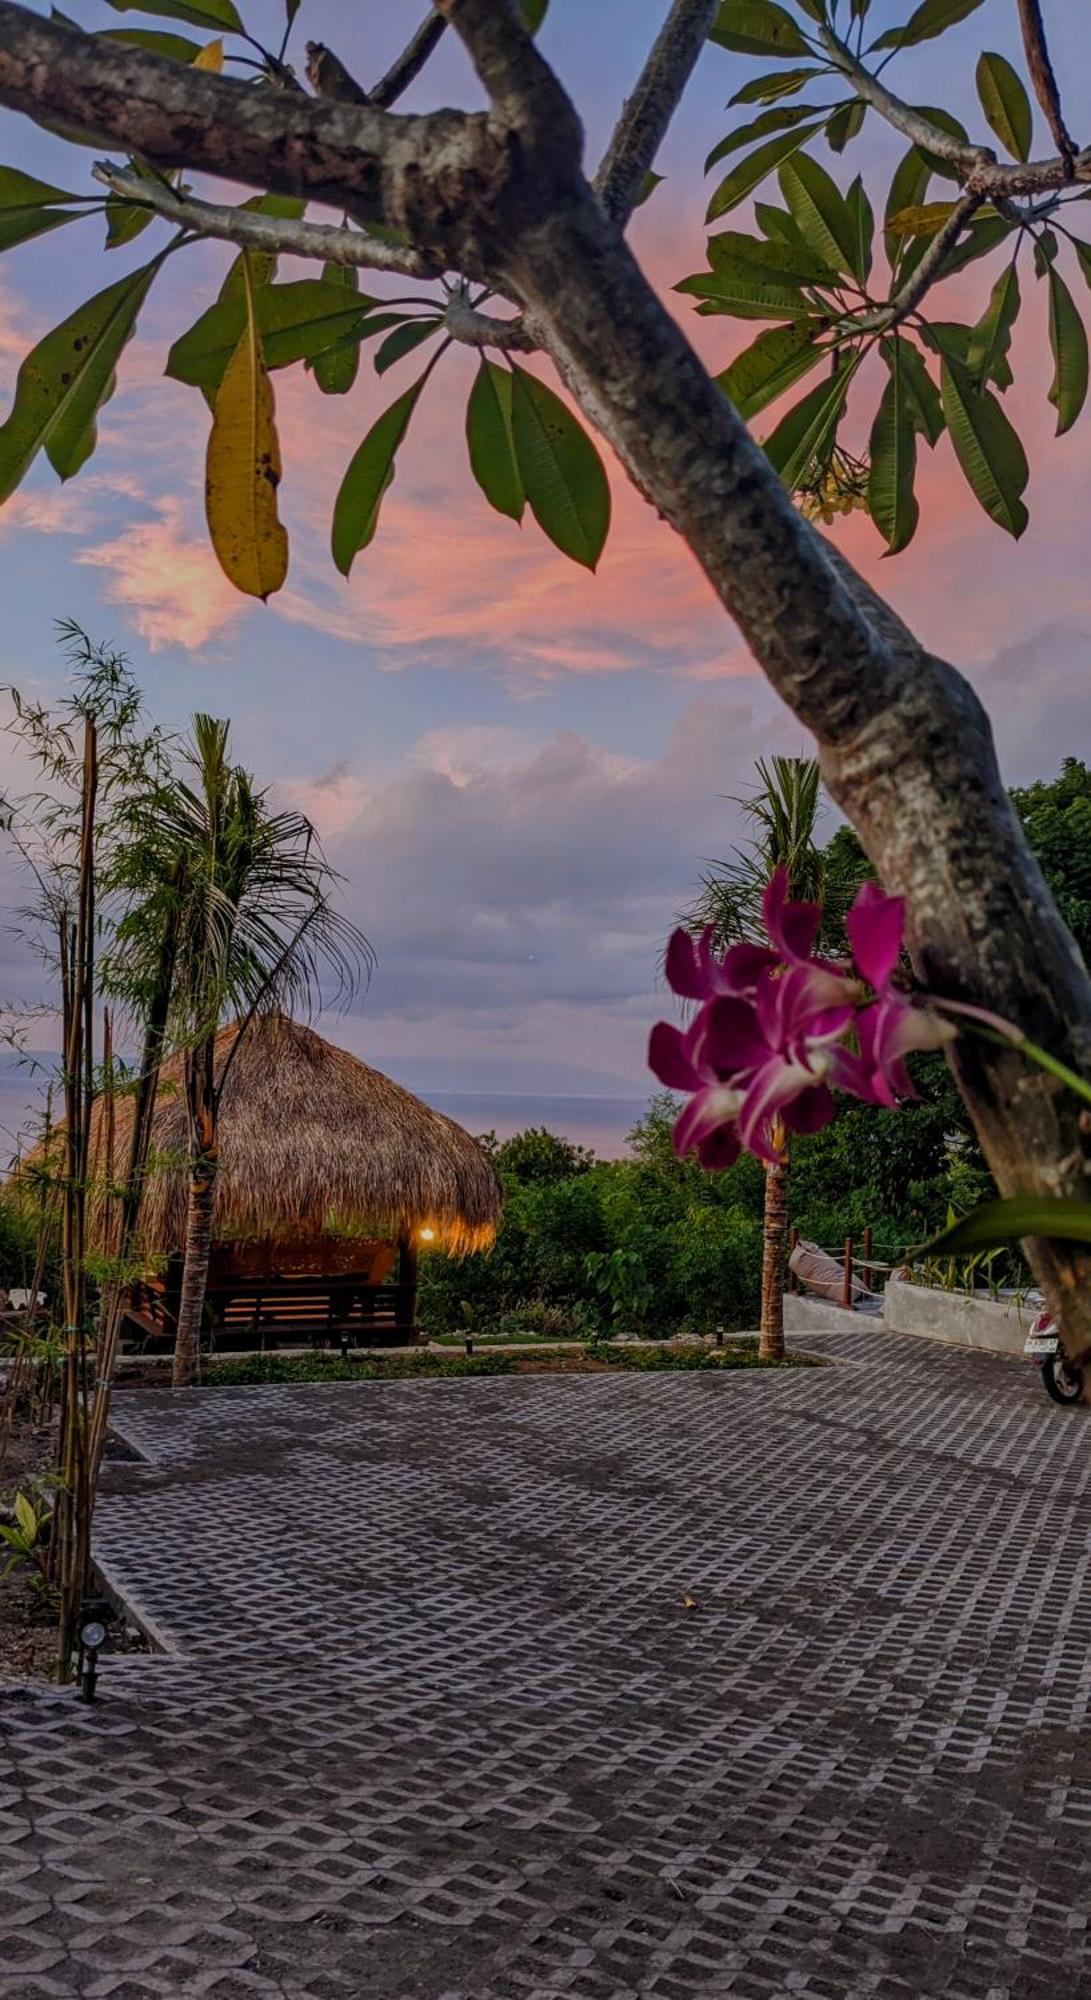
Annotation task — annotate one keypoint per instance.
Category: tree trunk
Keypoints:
(774, 1242)
(187, 1345)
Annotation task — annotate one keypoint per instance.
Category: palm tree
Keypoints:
(247, 894)
(783, 810)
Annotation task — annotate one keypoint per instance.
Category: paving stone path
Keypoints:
(433, 1717)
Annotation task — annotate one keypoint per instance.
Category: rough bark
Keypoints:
(774, 1245)
(187, 1345)
(904, 743)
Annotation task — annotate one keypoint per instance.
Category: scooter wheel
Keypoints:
(1063, 1382)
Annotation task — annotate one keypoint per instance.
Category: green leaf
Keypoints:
(990, 339)
(563, 476)
(648, 185)
(1005, 103)
(200, 13)
(863, 229)
(845, 124)
(919, 392)
(124, 221)
(751, 171)
(748, 293)
(296, 322)
(932, 17)
(804, 434)
(335, 369)
(533, 13)
(1083, 255)
(18, 225)
(403, 341)
(27, 207)
(769, 366)
(987, 448)
(778, 83)
(1055, 1217)
(1045, 252)
(893, 451)
(1068, 341)
(733, 249)
(370, 473)
(985, 232)
(26, 1517)
(820, 211)
(907, 190)
(776, 120)
(490, 441)
(757, 28)
(66, 379)
(947, 122)
(19, 190)
(175, 48)
(925, 220)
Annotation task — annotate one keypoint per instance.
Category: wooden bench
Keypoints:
(277, 1311)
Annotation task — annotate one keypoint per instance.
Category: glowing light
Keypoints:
(427, 1235)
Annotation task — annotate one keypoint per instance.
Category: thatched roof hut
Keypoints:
(315, 1147)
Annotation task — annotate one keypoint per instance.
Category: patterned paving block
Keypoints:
(433, 1716)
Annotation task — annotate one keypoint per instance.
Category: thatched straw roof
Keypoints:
(312, 1143)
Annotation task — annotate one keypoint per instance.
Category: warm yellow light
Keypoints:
(428, 1236)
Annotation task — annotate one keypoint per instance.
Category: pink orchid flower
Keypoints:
(892, 1028)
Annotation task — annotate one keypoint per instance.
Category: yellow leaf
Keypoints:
(243, 468)
(926, 220)
(210, 57)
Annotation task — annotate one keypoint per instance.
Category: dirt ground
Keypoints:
(28, 1634)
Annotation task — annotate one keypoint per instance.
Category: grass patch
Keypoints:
(412, 1365)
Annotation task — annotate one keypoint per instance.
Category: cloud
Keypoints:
(169, 580)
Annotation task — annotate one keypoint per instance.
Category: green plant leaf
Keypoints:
(65, 380)
(1068, 341)
(925, 220)
(200, 13)
(803, 435)
(863, 229)
(986, 446)
(490, 441)
(1005, 103)
(757, 28)
(778, 83)
(1046, 247)
(776, 258)
(1054, 1217)
(751, 171)
(29, 207)
(820, 212)
(983, 235)
(932, 17)
(26, 1517)
(1083, 257)
(919, 392)
(19, 190)
(747, 294)
(403, 341)
(175, 48)
(846, 122)
(908, 188)
(370, 474)
(335, 369)
(990, 339)
(296, 321)
(533, 13)
(563, 476)
(769, 366)
(779, 119)
(648, 185)
(892, 503)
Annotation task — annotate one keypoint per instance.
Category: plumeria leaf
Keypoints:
(490, 441)
(369, 476)
(778, 83)
(1012, 1220)
(990, 339)
(809, 429)
(987, 448)
(533, 13)
(846, 122)
(773, 362)
(778, 257)
(1083, 255)
(947, 122)
(862, 222)
(751, 171)
(925, 220)
(175, 48)
(648, 185)
(296, 321)
(64, 381)
(757, 28)
(30, 207)
(404, 340)
(932, 17)
(243, 470)
(907, 190)
(563, 476)
(335, 369)
(1005, 103)
(778, 119)
(892, 503)
(820, 212)
(1068, 341)
(919, 393)
(200, 13)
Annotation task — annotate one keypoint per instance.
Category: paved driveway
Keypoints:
(434, 1717)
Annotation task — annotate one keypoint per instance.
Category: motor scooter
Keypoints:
(1064, 1380)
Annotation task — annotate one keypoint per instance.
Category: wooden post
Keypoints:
(846, 1288)
(406, 1323)
(793, 1239)
(866, 1273)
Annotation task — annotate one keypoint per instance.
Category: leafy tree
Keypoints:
(477, 212)
(783, 810)
(1056, 816)
(536, 1157)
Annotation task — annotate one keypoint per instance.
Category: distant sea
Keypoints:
(598, 1122)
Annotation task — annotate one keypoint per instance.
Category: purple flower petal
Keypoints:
(743, 965)
(732, 1043)
(792, 927)
(875, 925)
(810, 1111)
(668, 1058)
(686, 967)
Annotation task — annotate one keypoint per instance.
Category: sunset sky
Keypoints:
(519, 767)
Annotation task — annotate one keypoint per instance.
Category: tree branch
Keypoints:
(647, 114)
(409, 64)
(908, 296)
(326, 74)
(523, 90)
(273, 233)
(1042, 77)
(477, 329)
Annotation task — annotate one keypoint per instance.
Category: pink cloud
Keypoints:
(168, 579)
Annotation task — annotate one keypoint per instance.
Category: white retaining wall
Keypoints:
(999, 1326)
